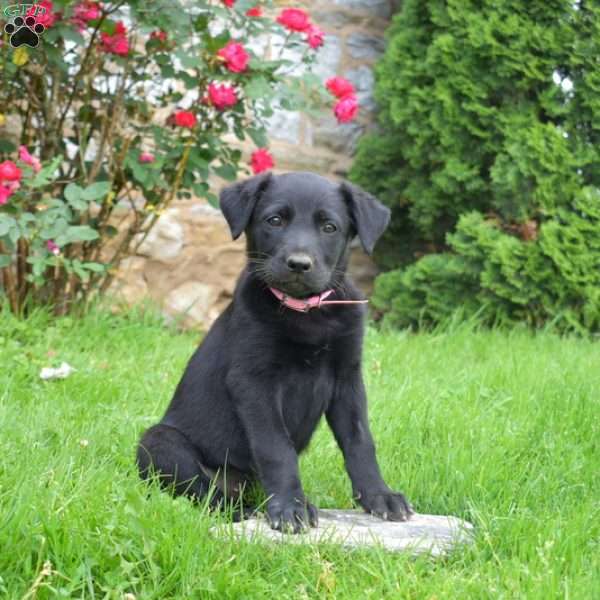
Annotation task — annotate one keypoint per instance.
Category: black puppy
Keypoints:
(283, 353)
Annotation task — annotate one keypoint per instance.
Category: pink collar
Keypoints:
(305, 304)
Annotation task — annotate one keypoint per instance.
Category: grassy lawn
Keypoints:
(498, 428)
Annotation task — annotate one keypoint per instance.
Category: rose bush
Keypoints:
(131, 104)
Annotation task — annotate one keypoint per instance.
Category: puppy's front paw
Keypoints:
(291, 516)
(391, 506)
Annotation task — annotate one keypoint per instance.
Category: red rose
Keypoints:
(235, 57)
(159, 35)
(52, 247)
(117, 43)
(10, 175)
(294, 19)
(46, 17)
(9, 171)
(5, 194)
(119, 46)
(340, 87)
(146, 157)
(315, 37)
(228, 3)
(30, 160)
(254, 12)
(346, 109)
(221, 96)
(184, 118)
(85, 12)
(261, 160)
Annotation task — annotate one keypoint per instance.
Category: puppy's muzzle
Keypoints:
(299, 262)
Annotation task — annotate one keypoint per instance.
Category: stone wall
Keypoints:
(188, 264)
(355, 39)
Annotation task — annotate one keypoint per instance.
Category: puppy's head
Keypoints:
(298, 227)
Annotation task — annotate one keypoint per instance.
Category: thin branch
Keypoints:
(9, 284)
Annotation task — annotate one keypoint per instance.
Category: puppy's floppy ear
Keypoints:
(369, 216)
(238, 201)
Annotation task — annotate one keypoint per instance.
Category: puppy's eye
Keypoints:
(275, 221)
(329, 227)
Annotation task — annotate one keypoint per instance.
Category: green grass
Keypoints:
(498, 428)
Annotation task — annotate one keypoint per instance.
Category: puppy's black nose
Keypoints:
(299, 263)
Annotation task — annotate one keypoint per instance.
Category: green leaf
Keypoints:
(108, 27)
(14, 234)
(141, 173)
(212, 200)
(213, 44)
(201, 22)
(7, 146)
(96, 191)
(110, 231)
(70, 34)
(190, 82)
(162, 59)
(257, 88)
(189, 61)
(258, 136)
(24, 220)
(54, 229)
(6, 224)
(199, 164)
(5, 260)
(239, 132)
(73, 194)
(46, 174)
(79, 233)
(200, 189)
(167, 71)
(39, 265)
(96, 267)
(227, 172)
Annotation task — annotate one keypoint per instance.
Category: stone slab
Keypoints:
(422, 534)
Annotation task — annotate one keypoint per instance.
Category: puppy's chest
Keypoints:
(306, 382)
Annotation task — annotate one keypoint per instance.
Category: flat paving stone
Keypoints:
(433, 534)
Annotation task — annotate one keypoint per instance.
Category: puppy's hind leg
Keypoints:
(167, 453)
